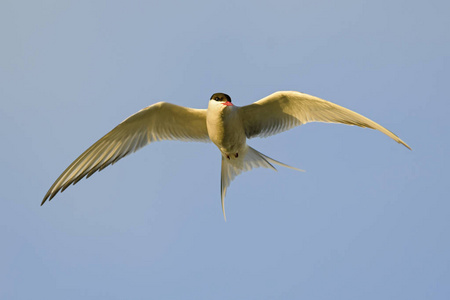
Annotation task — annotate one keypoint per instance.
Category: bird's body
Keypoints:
(225, 128)
(226, 125)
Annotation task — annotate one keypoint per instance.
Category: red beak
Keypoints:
(228, 103)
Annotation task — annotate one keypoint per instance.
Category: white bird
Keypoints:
(226, 125)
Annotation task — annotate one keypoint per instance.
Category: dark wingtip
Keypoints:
(47, 197)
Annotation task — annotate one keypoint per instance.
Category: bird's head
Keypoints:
(221, 98)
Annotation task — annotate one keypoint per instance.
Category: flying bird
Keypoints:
(226, 125)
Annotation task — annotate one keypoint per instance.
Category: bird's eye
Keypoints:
(217, 99)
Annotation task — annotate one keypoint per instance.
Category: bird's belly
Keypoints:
(229, 137)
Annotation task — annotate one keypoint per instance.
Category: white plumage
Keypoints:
(226, 125)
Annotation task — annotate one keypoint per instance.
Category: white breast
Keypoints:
(225, 128)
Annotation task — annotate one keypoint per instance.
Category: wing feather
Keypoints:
(286, 109)
(160, 121)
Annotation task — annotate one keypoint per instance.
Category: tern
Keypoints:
(226, 125)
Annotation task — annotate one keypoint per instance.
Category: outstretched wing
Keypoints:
(284, 110)
(160, 121)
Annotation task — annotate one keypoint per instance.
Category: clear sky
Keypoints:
(368, 220)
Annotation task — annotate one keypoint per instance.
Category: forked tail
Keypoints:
(247, 160)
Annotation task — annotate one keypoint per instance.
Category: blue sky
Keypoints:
(368, 220)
